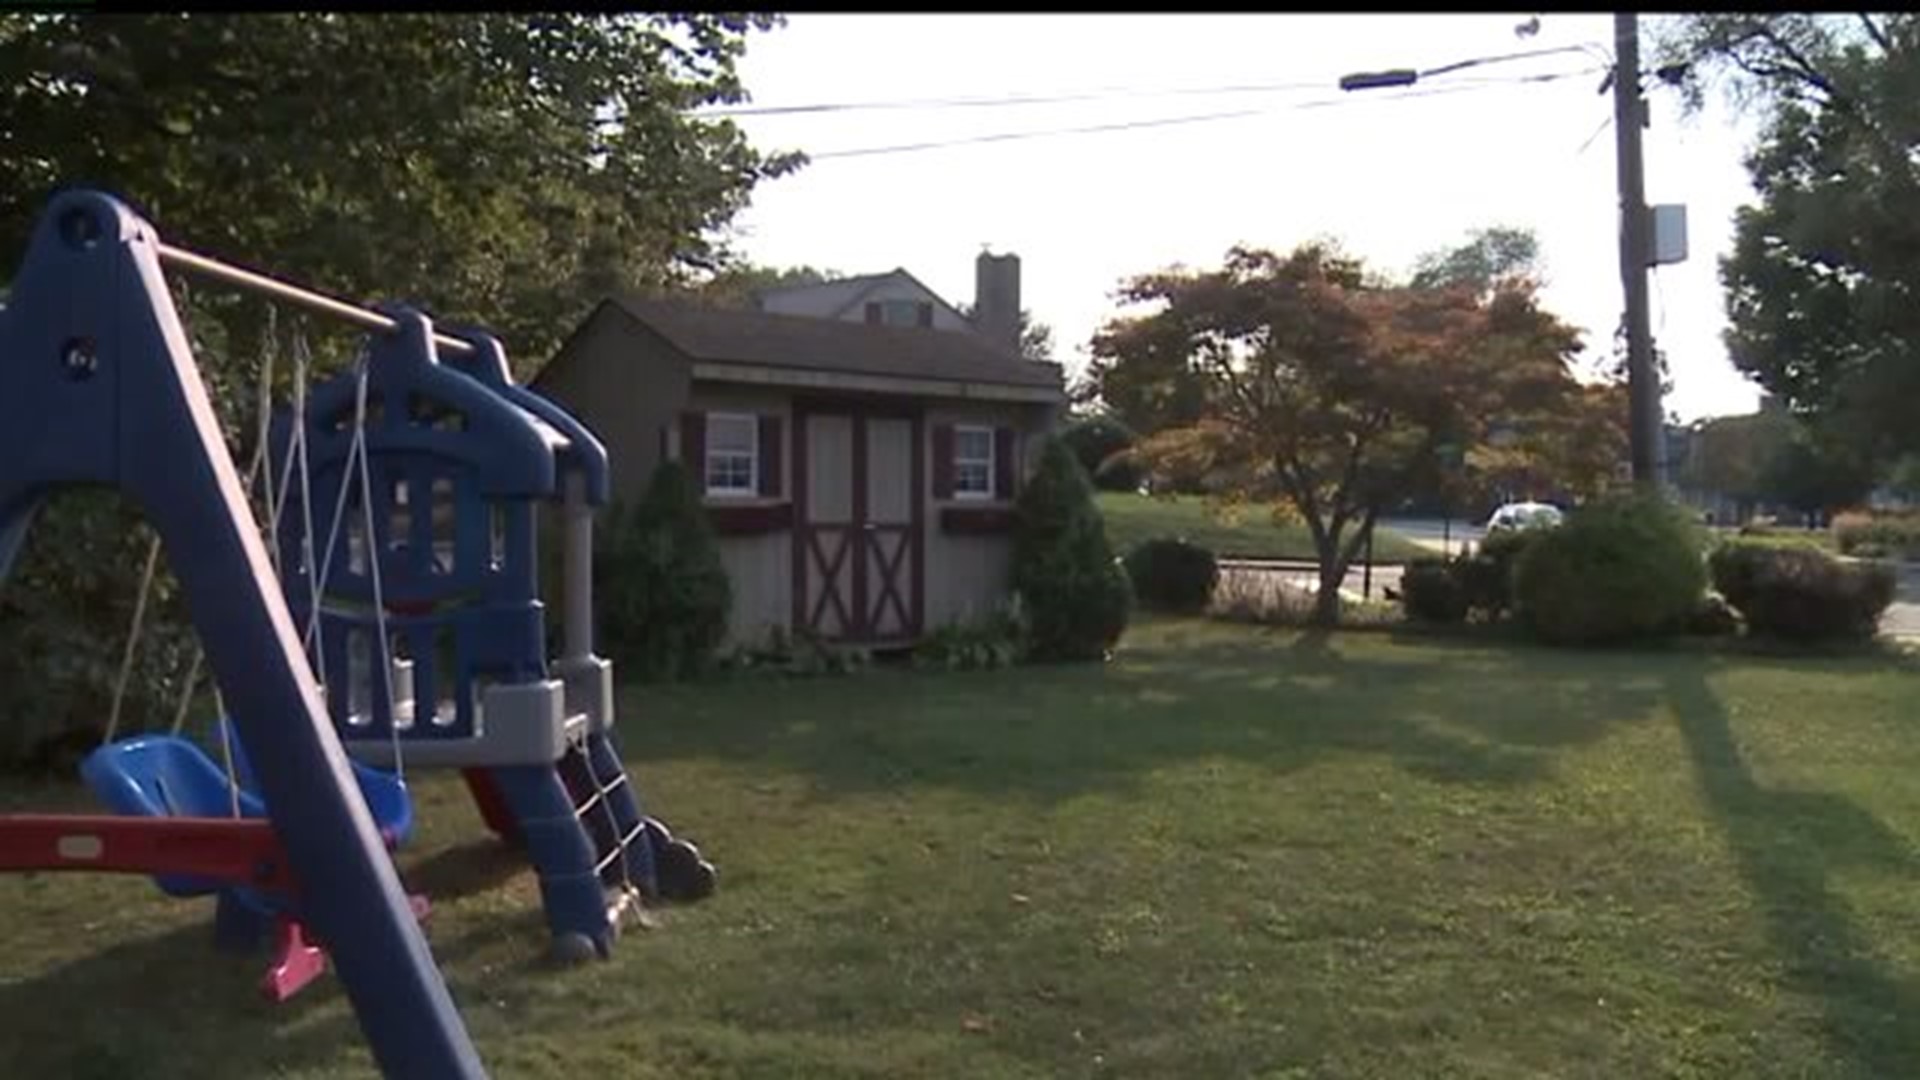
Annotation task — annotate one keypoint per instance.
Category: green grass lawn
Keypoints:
(1133, 518)
(1228, 853)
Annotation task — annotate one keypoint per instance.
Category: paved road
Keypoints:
(1435, 534)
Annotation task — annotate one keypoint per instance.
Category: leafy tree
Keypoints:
(1825, 263)
(1073, 590)
(1333, 392)
(1569, 450)
(505, 169)
(1488, 258)
(1903, 478)
(734, 286)
(1816, 476)
(1098, 441)
(1729, 454)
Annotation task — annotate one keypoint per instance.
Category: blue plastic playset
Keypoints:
(404, 629)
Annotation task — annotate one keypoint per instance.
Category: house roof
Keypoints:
(758, 338)
(823, 299)
(833, 299)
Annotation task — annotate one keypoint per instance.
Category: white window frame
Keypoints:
(752, 489)
(992, 449)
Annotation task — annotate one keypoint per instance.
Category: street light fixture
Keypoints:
(1376, 80)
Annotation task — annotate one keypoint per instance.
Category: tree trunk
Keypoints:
(1333, 573)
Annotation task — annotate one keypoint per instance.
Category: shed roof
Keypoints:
(733, 336)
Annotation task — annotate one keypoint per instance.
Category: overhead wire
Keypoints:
(1464, 86)
(1064, 97)
(1017, 99)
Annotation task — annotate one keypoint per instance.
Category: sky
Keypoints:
(1390, 174)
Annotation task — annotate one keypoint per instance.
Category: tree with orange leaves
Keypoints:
(1306, 381)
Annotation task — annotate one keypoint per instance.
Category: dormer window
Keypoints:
(900, 313)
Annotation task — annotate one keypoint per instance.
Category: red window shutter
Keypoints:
(770, 456)
(924, 315)
(1004, 473)
(693, 446)
(873, 312)
(943, 461)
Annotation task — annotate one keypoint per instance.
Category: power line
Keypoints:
(1129, 125)
(1477, 61)
(1604, 125)
(1105, 94)
(1018, 99)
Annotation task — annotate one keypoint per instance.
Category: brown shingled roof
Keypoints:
(730, 335)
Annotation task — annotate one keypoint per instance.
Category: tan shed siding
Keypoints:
(967, 576)
(760, 571)
(625, 385)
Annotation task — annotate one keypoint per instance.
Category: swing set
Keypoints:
(389, 615)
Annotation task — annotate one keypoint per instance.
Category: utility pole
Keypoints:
(1645, 430)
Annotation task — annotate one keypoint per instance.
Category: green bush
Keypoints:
(65, 613)
(1432, 590)
(1620, 569)
(661, 592)
(1878, 535)
(1487, 574)
(1074, 591)
(1802, 594)
(1172, 575)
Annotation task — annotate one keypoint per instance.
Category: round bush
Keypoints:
(1172, 575)
(1433, 590)
(1621, 569)
(1801, 593)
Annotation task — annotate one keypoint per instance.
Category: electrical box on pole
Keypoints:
(1669, 243)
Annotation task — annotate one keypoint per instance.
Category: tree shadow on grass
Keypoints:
(167, 1006)
(1786, 844)
(1277, 701)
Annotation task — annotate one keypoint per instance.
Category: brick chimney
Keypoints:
(996, 299)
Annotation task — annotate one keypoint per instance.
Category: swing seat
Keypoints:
(385, 793)
(168, 776)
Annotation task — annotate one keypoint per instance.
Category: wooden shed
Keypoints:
(860, 474)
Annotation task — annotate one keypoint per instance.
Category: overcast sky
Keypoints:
(1390, 173)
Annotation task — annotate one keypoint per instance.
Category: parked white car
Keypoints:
(1525, 515)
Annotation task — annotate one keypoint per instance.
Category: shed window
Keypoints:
(733, 454)
(972, 462)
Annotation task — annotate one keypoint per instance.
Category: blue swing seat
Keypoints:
(385, 793)
(168, 776)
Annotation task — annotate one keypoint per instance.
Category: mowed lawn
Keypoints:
(1230, 852)
(1132, 519)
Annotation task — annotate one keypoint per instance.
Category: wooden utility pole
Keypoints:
(1645, 429)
